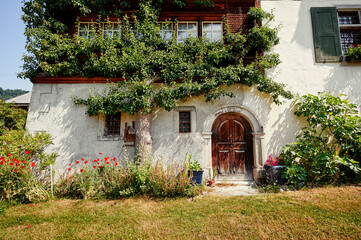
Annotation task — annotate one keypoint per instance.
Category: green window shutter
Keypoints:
(326, 34)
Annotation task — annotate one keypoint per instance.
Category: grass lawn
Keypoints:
(324, 213)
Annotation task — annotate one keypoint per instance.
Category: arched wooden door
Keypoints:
(232, 145)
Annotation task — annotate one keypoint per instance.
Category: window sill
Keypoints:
(109, 138)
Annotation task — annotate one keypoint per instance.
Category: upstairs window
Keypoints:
(166, 30)
(334, 30)
(112, 127)
(350, 27)
(185, 122)
(113, 29)
(186, 29)
(212, 31)
(87, 30)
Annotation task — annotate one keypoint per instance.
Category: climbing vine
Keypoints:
(156, 73)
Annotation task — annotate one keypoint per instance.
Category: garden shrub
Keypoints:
(89, 179)
(328, 150)
(22, 159)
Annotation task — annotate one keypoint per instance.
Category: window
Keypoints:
(185, 122)
(112, 127)
(334, 30)
(166, 30)
(350, 28)
(113, 29)
(186, 29)
(87, 30)
(213, 31)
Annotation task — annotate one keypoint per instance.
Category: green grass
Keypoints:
(324, 213)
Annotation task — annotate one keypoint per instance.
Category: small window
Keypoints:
(185, 122)
(350, 28)
(113, 125)
(213, 31)
(166, 30)
(87, 30)
(113, 29)
(186, 29)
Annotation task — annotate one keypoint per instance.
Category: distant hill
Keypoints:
(10, 93)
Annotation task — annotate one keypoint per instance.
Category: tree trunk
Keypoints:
(143, 138)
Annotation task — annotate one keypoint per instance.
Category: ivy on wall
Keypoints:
(156, 73)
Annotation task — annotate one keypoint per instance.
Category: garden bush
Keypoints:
(23, 161)
(328, 150)
(107, 178)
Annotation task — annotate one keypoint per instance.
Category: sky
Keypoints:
(12, 45)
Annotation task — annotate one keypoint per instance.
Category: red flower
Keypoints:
(82, 159)
(11, 164)
(16, 170)
(94, 167)
(114, 159)
(32, 164)
(69, 164)
(107, 162)
(27, 152)
(100, 167)
(116, 163)
(27, 226)
(81, 170)
(33, 213)
(9, 154)
(69, 169)
(86, 162)
(22, 167)
(106, 158)
(30, 205)
(121, 198)
(23, 161)
(100, 153)
(77, 162)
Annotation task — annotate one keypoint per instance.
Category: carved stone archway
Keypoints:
(257, 132)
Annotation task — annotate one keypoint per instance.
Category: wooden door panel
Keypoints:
(239, 161)
(224, 132)
(223, 161)
(230, 142)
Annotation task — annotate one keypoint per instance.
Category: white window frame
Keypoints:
(186, 22)
(163, 31)
(348, 26)
(112, 30)
(212, 22)
(89, 24)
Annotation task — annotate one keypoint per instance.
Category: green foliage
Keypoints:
(142, 57)
(23, 161)
(10, 93)
(329, 148)
(113, 182)
(354, 52)
(11, 117)
(192, 165)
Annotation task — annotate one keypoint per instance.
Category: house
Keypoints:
(23, 101)
(236, 134)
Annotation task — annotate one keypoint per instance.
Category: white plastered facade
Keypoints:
(77, 135)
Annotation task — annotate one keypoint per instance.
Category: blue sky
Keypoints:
(12, 45)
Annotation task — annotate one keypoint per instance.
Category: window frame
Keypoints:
(160, 23)
(96, 29)
(112, 31)
(348, 26)
(187, 22)
(188, 129)
(212, 22)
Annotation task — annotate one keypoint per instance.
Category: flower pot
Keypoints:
(349, 59)
(212, 182)
(196, 176)
(275, 172)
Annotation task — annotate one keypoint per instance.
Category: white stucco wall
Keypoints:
(76, 134)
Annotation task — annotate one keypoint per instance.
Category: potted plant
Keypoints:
(194, 170)
(212, 177)
(353, 53)
(274, 170)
